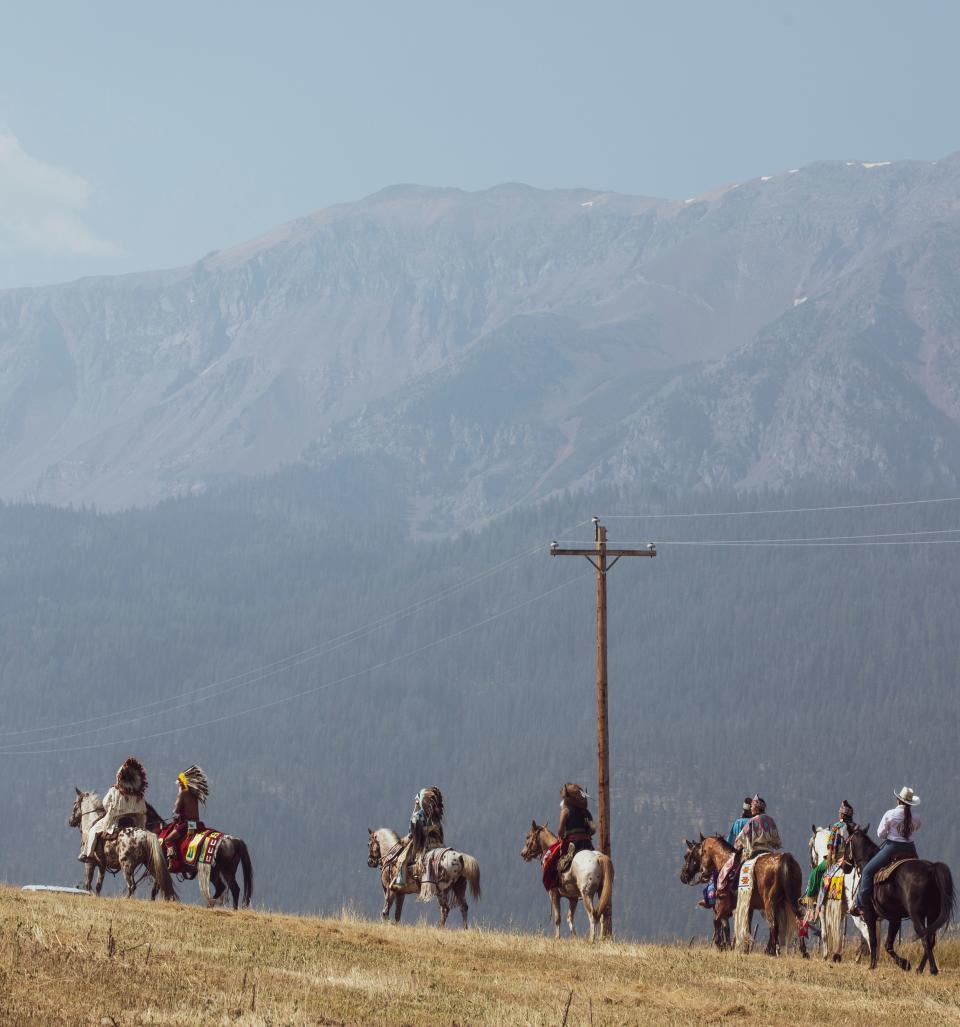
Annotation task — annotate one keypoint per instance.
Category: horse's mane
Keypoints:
(388, 831)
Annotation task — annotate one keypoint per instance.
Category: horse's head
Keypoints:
(77, 812)
(533, 843)
(816, 844)
(373, 850)
(857, 849)
(692, 862)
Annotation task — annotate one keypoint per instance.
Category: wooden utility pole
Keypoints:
(598, 556)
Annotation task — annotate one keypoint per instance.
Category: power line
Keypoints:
(262, 673)
(297, 695)
(782, 541)
(798, 509)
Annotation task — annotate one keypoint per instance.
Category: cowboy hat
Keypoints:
(906, 795)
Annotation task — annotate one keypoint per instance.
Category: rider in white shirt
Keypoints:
(896, 831)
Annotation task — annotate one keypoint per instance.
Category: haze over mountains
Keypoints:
(472, 351)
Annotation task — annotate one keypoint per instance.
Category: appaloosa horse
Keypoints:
(917, 888)
(131, 848)
(457, 870)
(589, 875)
(777, 886)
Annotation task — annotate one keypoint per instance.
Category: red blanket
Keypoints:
(550, 878)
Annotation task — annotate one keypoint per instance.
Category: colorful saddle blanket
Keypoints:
(201, 848)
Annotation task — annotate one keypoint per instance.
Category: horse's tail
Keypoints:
(471, 871)
(606, 889)
(944, 882)
(791, 881)
(241, 847)
(159, 869)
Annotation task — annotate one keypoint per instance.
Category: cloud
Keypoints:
(42, 206)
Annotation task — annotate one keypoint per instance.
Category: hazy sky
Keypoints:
(138, 135)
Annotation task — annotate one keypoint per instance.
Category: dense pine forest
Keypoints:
(322, 666)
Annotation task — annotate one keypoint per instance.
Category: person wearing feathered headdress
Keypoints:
(192, 790)
(124, 805)
(426, 830)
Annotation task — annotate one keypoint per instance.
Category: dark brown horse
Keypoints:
(777, 886)
(919, 890)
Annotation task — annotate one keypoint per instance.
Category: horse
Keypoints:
(834, 912)
(777, 886)
(590, 874)
(918, 889)
(129, 849)
(215, 878)
(458, 870)
(705, 859)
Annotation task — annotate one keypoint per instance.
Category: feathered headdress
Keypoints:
(431, 802)
(132, 778)
(195, 782)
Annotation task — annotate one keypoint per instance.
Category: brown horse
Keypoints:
(777, 887)
(918, 889)
(590, 875)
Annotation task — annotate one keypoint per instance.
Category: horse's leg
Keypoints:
(934, 969)
(234, 887)
(444, 906)
(460, 894)
(591, 912)
(103, 871)
(555, 906)
(870, 919)
(923, 934)
(892, 928)
(398, 900)
(570, 912)
(770, 915)
(130, 877)
(88, 869)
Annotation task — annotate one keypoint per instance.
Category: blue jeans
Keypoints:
(886, 854)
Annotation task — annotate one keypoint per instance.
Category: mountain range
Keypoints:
(476, 351)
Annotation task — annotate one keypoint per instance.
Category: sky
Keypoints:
(136, 136)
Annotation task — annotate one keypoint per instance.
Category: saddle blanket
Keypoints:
(884, 874)
(835, 887)
(431, 866)
(201, 848)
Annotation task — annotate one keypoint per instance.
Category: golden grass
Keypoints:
(67, 960)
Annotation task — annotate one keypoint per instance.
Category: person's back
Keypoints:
(759, 834)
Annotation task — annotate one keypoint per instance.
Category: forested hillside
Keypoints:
(809, 672)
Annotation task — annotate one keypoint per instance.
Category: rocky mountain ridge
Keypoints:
(490, 348)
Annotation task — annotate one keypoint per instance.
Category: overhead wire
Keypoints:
(774, 541)
(255, 675)
(798, 509)
(304, 692)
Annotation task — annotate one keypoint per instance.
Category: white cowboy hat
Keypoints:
(906, 795)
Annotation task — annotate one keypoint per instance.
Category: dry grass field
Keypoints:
(68, 960)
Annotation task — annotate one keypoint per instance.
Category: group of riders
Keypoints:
(125, 805)
(754, 832)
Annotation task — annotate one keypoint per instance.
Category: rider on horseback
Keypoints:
(576, 828)
(738, 825)
(896, 831)
(123, 806)
(758, 835)
(426, 831)
(192, 790)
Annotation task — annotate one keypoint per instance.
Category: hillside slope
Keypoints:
(497, 346)
(69, 961)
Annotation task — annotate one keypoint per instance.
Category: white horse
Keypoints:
(590, 875)
(835, 910)
(457, 870)
(131, 848)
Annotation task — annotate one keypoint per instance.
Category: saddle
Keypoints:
(887, 872)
